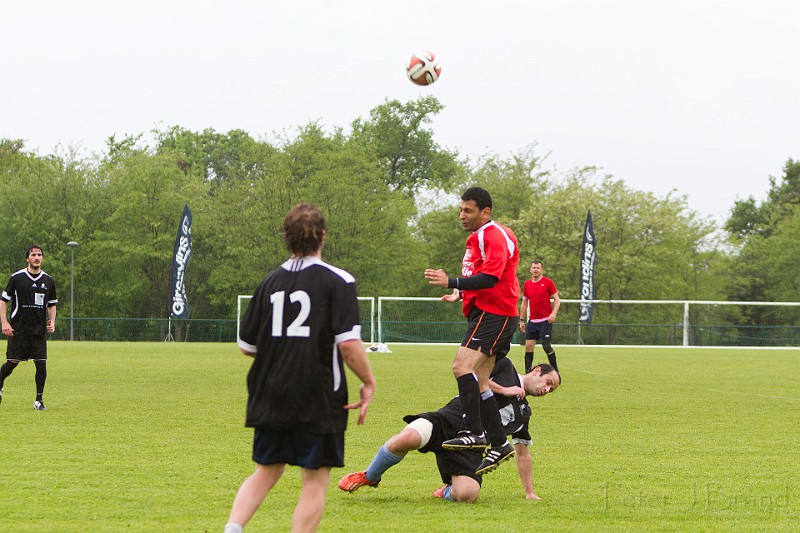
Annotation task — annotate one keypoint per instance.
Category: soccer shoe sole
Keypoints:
(475, 446)
(351, 491)
(492, 467)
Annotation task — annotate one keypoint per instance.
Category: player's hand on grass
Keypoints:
(366, 392)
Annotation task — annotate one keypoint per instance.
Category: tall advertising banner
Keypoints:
(588, 261)
(179, 307)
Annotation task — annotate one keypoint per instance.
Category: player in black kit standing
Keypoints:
(302, 327)
(32, 294)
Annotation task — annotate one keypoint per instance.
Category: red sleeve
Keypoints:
(552, 289)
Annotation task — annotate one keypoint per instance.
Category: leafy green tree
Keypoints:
(368, 221)
(45, 201)
(145, 195)
(765, 238)
(410, 158)
(220, 158)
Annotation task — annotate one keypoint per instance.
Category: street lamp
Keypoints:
(72, 245)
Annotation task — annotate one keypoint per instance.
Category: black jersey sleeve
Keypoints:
(251, 321)
(52, 299)
(345, 320)
(9, 290)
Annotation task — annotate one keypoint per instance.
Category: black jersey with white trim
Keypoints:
(30, 295)
(294, 323)
(515, 414)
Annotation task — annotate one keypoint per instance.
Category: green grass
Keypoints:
(150, 437)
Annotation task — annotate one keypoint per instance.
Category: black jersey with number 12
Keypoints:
(294, 322)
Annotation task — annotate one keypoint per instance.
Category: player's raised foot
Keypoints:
(495, 456)
(466, 440)
(439, 493)
(39, 406)
(356, 480)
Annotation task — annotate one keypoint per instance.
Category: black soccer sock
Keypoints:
(551, 357)
(469, 395)
(6, 371)
(528, 361)
(41, 377)
(490, 418)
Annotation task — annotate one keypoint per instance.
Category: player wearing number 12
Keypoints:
(301, 327)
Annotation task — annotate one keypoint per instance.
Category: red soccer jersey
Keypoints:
(537, 294)
(492, 250)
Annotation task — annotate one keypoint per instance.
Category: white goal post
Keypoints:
(243, 300)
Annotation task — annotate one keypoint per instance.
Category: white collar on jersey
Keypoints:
(294, 264)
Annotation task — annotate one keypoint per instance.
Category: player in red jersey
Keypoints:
(536, 294)
(489, 289)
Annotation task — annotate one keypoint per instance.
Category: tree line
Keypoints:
(390, 195)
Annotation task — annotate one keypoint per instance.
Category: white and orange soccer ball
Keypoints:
(423, 67)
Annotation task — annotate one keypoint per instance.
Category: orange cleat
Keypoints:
(354, 481)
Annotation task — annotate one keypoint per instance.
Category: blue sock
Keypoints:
(382, 462)
(446, 493)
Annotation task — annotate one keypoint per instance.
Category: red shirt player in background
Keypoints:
(490, 291)
(536, 293)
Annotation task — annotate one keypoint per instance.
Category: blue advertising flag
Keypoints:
(588, 261)
(179, 307)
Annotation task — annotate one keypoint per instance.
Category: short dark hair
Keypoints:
(32, 248)
(536, 261)
(481, 197)
(304, 229)
(546, 369)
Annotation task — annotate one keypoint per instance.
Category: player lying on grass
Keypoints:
(427, 431)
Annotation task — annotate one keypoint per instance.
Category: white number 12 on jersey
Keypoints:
(297, 327)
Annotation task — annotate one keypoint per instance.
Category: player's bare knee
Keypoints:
(405, 441)
(461, 368)
(465, 489)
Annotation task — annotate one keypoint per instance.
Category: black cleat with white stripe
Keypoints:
(495, 456)
(466, 440)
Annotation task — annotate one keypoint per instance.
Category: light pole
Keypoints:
(72, 245)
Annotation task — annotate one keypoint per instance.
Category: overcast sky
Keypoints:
(699, 96)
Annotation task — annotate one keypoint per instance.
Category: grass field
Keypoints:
(150, 437)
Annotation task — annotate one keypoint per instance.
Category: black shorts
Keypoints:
(538, 330)
(24, 347)
(298, 448)
(489, 333)
(450, 462)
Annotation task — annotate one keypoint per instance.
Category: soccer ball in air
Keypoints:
(423, 67)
